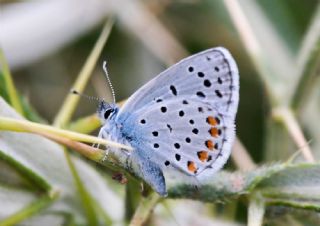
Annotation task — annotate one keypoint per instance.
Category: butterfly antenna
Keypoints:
(104, 66)
(73, 91)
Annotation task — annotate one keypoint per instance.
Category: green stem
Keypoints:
(222, 185)
(308, 82)
(64, 115)
(35, 179)
(33, 208)
(12, 93)
(256, 210)
(131, 197)
(105, 217)
(87, 202)
(144, 209)
(309, 58)
(301, 204)
(26, 126)
(70, 103)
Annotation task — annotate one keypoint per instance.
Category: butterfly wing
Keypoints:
(189, 75)
(184, 118)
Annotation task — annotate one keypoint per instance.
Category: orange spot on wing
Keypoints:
(192, 167)
(209, 144)
(202, 155)
(214, 132)
(212, 121)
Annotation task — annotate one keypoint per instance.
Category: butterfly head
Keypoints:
(106, 111)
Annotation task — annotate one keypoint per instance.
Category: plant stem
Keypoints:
(70, 103)
(40, 183)
(288, 119)
(106, 219)
(85, 197)
(241, 157)
(64, 115)
(144, 209)
(308, 81)
(309, 64)
(256, 210)
(132, 197)
(251, 44)
(27, 126)
(12, 93)
(33, 208)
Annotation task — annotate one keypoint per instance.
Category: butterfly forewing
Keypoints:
(211, 74)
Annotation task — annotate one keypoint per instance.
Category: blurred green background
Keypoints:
(139, 48)
(197, 25)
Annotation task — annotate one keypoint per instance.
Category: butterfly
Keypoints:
(182, 120)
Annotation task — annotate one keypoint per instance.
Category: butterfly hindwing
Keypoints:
(192, 142)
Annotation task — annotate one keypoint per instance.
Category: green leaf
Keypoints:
(28, 210)
(27, 109)
(43, 162)
(295, 185)
(13, 199)
(222, 185)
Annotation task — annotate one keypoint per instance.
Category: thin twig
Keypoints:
(241, 157)
(252, 45)
(287, 117)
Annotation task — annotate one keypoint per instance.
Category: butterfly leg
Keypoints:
(100, 135)
(106, 154)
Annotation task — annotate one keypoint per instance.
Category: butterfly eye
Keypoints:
(107, 113)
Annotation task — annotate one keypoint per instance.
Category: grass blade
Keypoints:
(68, 107)
(11, 89)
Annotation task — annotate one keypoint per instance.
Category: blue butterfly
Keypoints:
(182, 120)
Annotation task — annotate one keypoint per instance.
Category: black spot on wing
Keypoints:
(173, 90)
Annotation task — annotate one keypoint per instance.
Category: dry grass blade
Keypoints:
(272, 78)
(308, 65)
(241, 157)
(288, 119)
(142, 23)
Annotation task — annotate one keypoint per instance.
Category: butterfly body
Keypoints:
(182, 120)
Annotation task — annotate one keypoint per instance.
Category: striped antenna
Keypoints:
(108, 79)
(73, 91)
